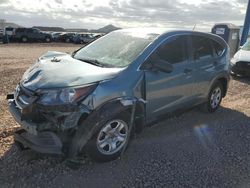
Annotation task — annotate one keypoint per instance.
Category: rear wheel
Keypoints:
(110, 139)
(67, 40)
(24, 39)
(47, 39)
(214, 98)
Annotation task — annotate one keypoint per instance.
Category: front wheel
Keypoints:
(214, 98)
(109, 140)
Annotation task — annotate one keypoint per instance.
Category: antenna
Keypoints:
(194, 27)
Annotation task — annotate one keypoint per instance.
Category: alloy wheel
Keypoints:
(112, 137)
(215, 97)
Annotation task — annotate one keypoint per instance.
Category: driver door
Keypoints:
(166, 92)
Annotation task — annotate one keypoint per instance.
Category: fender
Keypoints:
(99, 116)
(222, 75)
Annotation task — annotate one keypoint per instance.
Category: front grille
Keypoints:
(243, 64)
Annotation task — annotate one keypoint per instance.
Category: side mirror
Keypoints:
(163, 66)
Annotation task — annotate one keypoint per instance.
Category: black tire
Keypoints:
(92, 149)
(47, 39)
(67, 40)
(24, 39)
(232, 73)
(213, 101)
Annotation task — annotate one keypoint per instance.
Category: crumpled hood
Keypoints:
(242, 55)
(57, 70)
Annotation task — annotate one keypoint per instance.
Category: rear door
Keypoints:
(206, 64)
(166, 92)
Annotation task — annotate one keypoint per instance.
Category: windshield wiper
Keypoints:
(95, 62)
(92, 61)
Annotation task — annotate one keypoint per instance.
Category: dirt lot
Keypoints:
(192, 150)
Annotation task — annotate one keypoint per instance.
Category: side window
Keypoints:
(173, 51)
(35, 31)
(202, 48)
(20, 30)
(218, 48)
(29, 30)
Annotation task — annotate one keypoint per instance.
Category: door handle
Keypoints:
(187, 70)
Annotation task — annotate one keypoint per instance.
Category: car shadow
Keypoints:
(195, 147)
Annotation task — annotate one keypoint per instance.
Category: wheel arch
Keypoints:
(89, 123)
(224, 83)
(224, 79)
(21, 38)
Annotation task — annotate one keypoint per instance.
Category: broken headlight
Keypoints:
(64, 95)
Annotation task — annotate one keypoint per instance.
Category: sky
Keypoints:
(93, 14)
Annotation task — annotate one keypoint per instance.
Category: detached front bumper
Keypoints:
(43, 142)
(16, 113)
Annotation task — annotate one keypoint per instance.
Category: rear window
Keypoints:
(31, 30)
(218, 48)
(9, 29)
(202, 48)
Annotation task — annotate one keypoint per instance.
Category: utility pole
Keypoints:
(246, 25)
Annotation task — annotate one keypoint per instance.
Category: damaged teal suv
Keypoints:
(93, 100)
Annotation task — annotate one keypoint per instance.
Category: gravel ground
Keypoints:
(193, 150)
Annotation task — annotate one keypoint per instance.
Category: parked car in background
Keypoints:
(92, 100)
(31, 35)
(240, 63)
(66, 37)
(55, 36)
(98, 35)
(83, 38)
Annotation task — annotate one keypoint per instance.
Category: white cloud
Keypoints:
(123, 13)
